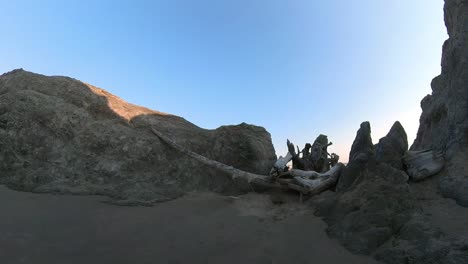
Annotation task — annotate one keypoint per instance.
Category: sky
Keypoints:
(299, 68)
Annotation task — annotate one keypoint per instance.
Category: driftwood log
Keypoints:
(423, 164)
(281, 165)
(306, 182)
(233, 172)
(311, 182)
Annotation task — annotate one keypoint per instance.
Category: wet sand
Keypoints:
(197, 228)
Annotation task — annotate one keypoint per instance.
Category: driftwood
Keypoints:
(280, 165)
(233, 172)
(423, 164)
(314, 182)
(314, 157)
(304, 184)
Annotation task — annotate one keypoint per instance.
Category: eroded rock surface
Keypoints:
(393, 147)
(58, 134)
(375, 211)
(444, 121)
(372, 201)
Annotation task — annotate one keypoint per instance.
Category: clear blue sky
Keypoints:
(296, 67)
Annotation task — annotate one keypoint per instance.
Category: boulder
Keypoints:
(58, 134)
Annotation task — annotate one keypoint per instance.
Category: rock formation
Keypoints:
(444, 121)
(375, 211)
(58, 134)
(372, 199)
(393, 147)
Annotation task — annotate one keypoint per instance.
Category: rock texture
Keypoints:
(362, 152)
(58, 134)
(372, 199)
(376, 212)
(444, 121)
(393, 147)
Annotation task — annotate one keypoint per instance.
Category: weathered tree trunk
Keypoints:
(320, 183)
(233, 172)
(423, 164)
(303, 184)
(297, 162)
(280, 165)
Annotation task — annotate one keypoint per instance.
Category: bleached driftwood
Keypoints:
(300, 173)
(280, 165)
(233, 172)
(320, 183)
(301, 184)
(423, 164)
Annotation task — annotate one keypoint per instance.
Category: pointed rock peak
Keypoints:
(13, 72)
(393, 146)
(322, 140)
(398, 132)
(362, 148)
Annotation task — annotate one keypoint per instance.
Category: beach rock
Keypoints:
(58, 134)
(372, 202)
(455, 187)
(444, 120)
(362, 148)
(362, 152)
(392, 147)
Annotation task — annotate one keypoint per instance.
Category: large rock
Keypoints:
(375, 211)
(362, 148)
(392, 147)
(362, 152)
(372, 202)
(444, 121)
(58, 134)
(378, 213)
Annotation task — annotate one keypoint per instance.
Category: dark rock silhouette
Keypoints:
(444, 121)
(58, 134)
(362, 152)
(393, 147)
(372, 201)
(375, 210)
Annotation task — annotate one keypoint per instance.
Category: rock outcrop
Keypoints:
(393, 147)
(444, 121)
(375, 211)
(362, 152)
(58, 134)
(372, 200)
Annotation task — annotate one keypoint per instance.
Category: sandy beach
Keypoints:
(197, 228)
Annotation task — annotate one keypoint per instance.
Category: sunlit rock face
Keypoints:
(58, 134)
(444, 121)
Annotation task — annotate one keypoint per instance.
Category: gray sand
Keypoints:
(197, 228)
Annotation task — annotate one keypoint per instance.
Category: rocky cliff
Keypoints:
(444, 121)
(376, 210)
(58, 134)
